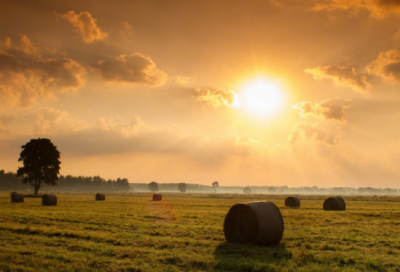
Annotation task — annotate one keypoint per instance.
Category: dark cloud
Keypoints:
(329, 109)
(134, 68)
(86, 25)
(25, 75)
(387, 65)
(346, 76)
(217, 98)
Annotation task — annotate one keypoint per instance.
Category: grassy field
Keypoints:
(184, 233)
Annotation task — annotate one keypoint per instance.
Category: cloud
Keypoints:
(86, 25)
(99, 141)
(387, 65)
(325, 131)
(125, 128)
(42, 121)
(50, 120)
(316, 133)
(134, 68)
(25, 75)
(126, 26)
(183, 80)
(116, 136)
(329, 109)
(6, 43)
(217, 98)
(377, 8)
(346, 76)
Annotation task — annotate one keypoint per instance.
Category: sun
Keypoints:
(262, 96)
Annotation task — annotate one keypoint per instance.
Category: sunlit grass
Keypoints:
(183, 232)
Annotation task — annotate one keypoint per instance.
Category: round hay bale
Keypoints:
(100, 197)
(259, 223)
(157, 197)
(17, 198)
(334, 204)
(292, 202)
(49, 200)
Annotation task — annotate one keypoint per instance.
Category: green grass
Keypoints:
(184, 233)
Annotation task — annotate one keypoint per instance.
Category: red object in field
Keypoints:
(157, 197)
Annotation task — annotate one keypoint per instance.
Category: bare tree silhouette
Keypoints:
(215, 184)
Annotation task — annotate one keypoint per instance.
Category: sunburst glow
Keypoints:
(262, 96)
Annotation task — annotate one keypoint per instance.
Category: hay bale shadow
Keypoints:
(249, 257)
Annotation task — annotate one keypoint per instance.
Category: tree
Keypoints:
(246, 190)
(153, 186)
(123, 184)
(215, 184)
(182, 187)
(41, 161)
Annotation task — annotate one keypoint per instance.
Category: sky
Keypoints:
(246, 93)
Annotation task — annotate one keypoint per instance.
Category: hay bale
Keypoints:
(100, 197)
(259, 223)
(16, 198)
(292, 202)
(334, 204)
(157, 197)
(49, 200)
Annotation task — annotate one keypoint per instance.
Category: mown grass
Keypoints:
(183, 232)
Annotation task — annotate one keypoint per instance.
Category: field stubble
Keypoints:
(183, 232)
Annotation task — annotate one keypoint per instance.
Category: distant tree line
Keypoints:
(199, 188)
(10, 181)
(153, 187)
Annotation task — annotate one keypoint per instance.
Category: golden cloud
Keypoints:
(25, 75)
(134, 68)
(42, 121)
(125, 128)
(316, 133)
(377, 8)
(387, 65)
(86, 25)
(117, 135)
(329, 109)
(346, 76)
(218, 97)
